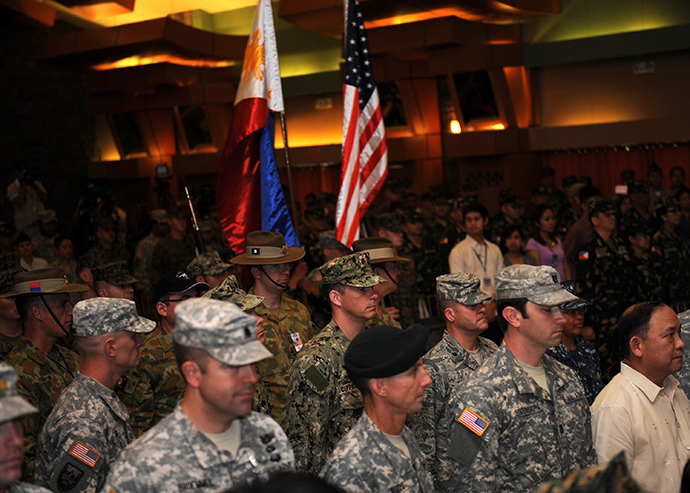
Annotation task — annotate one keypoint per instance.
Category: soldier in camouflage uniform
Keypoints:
(141, 267)
(522, 418)
(230, 291)
(380, 453)
(324, 404)
(385, 264)
(114, 281)
(44, 241)
(287, 323)
(450, 362)
(88, 426)
(512, 206)
(151, 390)
(44, 367)
(212, 440)
(648, 269)
(176, 249)
(209, 268)
(10, 321)
(12, 408)
(672, 252)
(683, 375)
(604, 274)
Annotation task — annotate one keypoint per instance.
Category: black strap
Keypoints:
(52, 314)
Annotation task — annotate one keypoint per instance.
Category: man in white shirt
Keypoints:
(643, 411)
(477, 255)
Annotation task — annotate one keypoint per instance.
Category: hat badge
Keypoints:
(256, 251)
(181, 275)
(555, 278)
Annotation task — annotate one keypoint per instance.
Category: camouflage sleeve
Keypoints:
(306, 421)
(423, 424)
(340, 474)
(80, 464)
(473, 453)
(31, 424)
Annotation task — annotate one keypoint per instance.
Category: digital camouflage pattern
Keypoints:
(142, 263)
(603, 277)
(683, 375)
(351, 270)
(170, 254)
(99, 316)
(41, 379)
(25, 488)
(532, 436)
(540, 285)
(585, 361)
(366, 461)
(323, 402)
(448, 364)
(151, 390)
(673, 253)
(6, 284)
(384, 318)
(219, 328)
(117, 253)
(263, 401)
(461, 287)
(229, 290)
(113, 273)
(207, 264)
(90, 417)
(175, 456)
(12, 405)
(612, 477)
(274, 372)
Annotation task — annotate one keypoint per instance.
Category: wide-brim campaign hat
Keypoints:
(43, 281)
(267, 248)
(380, 250)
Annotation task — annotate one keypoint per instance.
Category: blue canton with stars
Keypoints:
(358, 71)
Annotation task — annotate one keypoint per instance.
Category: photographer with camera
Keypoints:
(27, 195)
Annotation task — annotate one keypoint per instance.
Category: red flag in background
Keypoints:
(365, 155)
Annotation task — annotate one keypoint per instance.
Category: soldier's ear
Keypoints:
(334, 296)
(636, 346)
(448, 313)
(109, 346)
(36, 312)
(200, 279)
(162, 309)
(103, 293)
(378, 386)
(511, 316)
(190, 371)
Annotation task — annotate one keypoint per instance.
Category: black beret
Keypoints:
(384, 351)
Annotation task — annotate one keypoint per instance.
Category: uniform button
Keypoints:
(687, 448)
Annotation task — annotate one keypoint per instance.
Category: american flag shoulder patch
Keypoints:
(473, 421)
(85, 454)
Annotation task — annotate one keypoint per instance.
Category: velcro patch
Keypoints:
(316, 378)
(69, 477)
(85, 454)
(473, 421)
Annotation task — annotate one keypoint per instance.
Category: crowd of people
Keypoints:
(560, 348)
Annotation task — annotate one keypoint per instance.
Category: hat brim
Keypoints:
(218, 269)
(141, 325)
(553, 298)
(202, 286)
(70, 288)
(476, 298)
(124, 279)
(394, 258)
(14, 407)
(244, 354)
(363, 281)
(294, 253)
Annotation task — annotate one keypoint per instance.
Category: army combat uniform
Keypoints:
(151, 390)
(366, 461)
(83, 435)
(324, 404)
(508, 434)
(674, 255)
(448, 364)
(285, 335)
(604, 278)
(176, 456)
(648, 281)
(42, 377)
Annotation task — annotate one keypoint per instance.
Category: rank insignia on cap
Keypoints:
(85, 454)
(473, 421)
(583, 256)
(256, 251)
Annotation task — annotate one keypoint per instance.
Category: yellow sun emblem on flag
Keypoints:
(254, 58)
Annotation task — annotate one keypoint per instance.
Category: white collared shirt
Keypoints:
(650, 423)
(483, 260)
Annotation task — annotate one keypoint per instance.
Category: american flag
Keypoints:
(473, 422)
(85, 454)
(365, 155)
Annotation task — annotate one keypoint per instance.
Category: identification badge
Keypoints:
(487, 282)
(297, 341)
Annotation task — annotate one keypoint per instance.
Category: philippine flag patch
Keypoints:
(473, 421)
(583, 256)
(656, 250)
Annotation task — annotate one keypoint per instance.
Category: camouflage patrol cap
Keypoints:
(209, 264)
(160, 216)
(684, 318)
(91, 260)
(12, 405)
(113, 273)
(601, 206)
(462, 288)
(569, 286)
(390, 221)
(221, 329)
(7, 279)
(99, 316)
(540, 285)
(230, 291)
(351, 270)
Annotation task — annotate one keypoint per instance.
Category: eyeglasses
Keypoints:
(576, 312)
(179, 300)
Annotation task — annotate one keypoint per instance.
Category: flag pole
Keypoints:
(293, 204)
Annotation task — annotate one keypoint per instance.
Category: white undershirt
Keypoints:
(538, 373)
(398, 442)
(229, 440)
